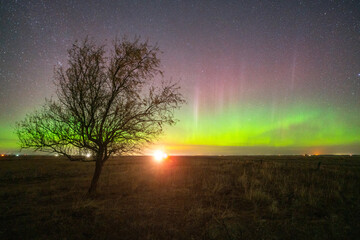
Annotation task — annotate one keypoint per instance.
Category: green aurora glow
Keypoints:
(300, 126)
(292, 128)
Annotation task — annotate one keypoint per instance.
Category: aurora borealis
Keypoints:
(260, 77)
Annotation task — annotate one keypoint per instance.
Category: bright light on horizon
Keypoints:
(159, 156)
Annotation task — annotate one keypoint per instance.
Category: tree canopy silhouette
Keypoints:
(107, 103)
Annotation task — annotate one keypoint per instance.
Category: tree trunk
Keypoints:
(95, 179)
(68, 156)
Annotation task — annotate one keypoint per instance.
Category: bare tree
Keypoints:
(107, 103)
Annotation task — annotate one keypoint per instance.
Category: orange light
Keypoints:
(159, 156)
(3, 155)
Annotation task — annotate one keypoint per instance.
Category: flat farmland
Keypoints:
(194, 197)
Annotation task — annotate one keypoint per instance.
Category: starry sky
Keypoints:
(260, 77)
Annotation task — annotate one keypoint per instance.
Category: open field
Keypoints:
(254, 197)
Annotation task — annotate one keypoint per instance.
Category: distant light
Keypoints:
(17, 155)
(3, 155)
(56, 155)
(88, 155)
(159, 156)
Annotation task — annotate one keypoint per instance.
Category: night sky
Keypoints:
(260, 77)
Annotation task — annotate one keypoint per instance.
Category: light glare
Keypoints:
(159, 156)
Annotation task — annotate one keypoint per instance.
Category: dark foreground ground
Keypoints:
(286, 197)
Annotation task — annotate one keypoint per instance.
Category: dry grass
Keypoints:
(185, 198)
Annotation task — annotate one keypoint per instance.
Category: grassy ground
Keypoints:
(184, 198)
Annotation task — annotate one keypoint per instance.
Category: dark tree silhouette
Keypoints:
(107, 103)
